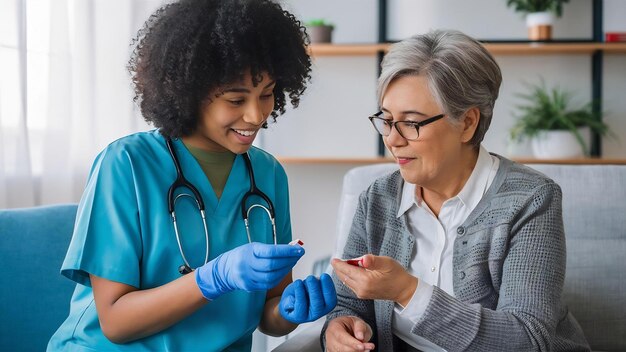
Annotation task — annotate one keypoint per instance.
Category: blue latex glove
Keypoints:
(307, 301)
(251, 267)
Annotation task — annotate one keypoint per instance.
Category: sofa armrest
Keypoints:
(307, 340)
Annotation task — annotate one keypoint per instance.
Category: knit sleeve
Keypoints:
(528, 308)
(347, 303)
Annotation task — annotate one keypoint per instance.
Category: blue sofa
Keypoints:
(594, 215)
(34, 297)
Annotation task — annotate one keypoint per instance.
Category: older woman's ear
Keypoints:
(470, 124)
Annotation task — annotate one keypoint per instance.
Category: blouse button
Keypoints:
(460, 230)
(462, 275)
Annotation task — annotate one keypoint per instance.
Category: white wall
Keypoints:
(482, 19)
(356, 21)
(330, 119)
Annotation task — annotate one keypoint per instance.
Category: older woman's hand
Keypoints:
(348, 334)
(379, 278)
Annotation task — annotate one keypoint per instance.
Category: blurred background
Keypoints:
(65, 92)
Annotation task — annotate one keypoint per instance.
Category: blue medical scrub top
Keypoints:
(124, 233)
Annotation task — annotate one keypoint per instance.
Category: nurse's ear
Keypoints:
(470, 124)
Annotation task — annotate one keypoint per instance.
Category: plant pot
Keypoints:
(559, 144)
(320, 34)
(539, 25)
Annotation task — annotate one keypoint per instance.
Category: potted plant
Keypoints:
(539, 15)
(319, 30)
(554, 129)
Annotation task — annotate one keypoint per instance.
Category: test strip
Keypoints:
(356, 261)
(296, 241)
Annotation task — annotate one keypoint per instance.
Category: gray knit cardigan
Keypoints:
(508, 263)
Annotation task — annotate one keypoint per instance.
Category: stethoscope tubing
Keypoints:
(181, 181)
(206, 232)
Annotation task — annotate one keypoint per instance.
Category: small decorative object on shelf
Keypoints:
(319, 30)
(539, 16)
(555, 130)
(615, 37)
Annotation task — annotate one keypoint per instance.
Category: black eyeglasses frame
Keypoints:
(394, 124)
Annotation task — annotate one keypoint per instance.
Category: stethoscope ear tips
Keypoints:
(184, 269)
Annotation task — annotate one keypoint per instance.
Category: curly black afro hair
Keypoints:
(189, 48)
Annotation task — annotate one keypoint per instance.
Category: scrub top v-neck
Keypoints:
(124, 233)
(215, 165)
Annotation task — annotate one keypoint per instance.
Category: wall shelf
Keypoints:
(581, 161)
(315, 161)
(347, 49)
(368, 161)
(553, 48)
(543, 48)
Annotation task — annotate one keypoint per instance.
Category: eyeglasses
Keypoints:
(409, 130)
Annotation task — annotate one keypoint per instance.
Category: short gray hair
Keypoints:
(461, 73)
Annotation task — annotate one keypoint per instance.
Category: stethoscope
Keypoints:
(181, 181)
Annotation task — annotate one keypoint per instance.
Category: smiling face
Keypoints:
(231, 116)
(441, 155)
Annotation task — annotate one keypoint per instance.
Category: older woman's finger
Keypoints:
(346, 342)
(343, 270)
(363, 332)
(340, 336)
(342, 332)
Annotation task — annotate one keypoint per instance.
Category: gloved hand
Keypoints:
(307, 301)
(251, 267)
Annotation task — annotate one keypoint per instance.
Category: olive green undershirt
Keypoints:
(216, 166)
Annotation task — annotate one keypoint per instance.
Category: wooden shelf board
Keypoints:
(364, 161)
(614, 48)
(367, 161)
(346, 49)
(494, 48)
(581, 161)
(553, 48)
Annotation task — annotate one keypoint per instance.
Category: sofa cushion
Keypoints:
(594, 216)
(35, 297)
(355, 181)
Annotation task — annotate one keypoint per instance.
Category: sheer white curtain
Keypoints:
(64, 92)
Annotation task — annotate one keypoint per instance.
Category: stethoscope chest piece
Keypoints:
(184, 269)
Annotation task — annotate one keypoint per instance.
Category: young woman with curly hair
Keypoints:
(153, 270)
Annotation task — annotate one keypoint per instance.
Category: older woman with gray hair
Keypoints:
(460, 249)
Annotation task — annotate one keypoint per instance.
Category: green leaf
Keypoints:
(317, 22)
(529, 6)
(543, 108)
